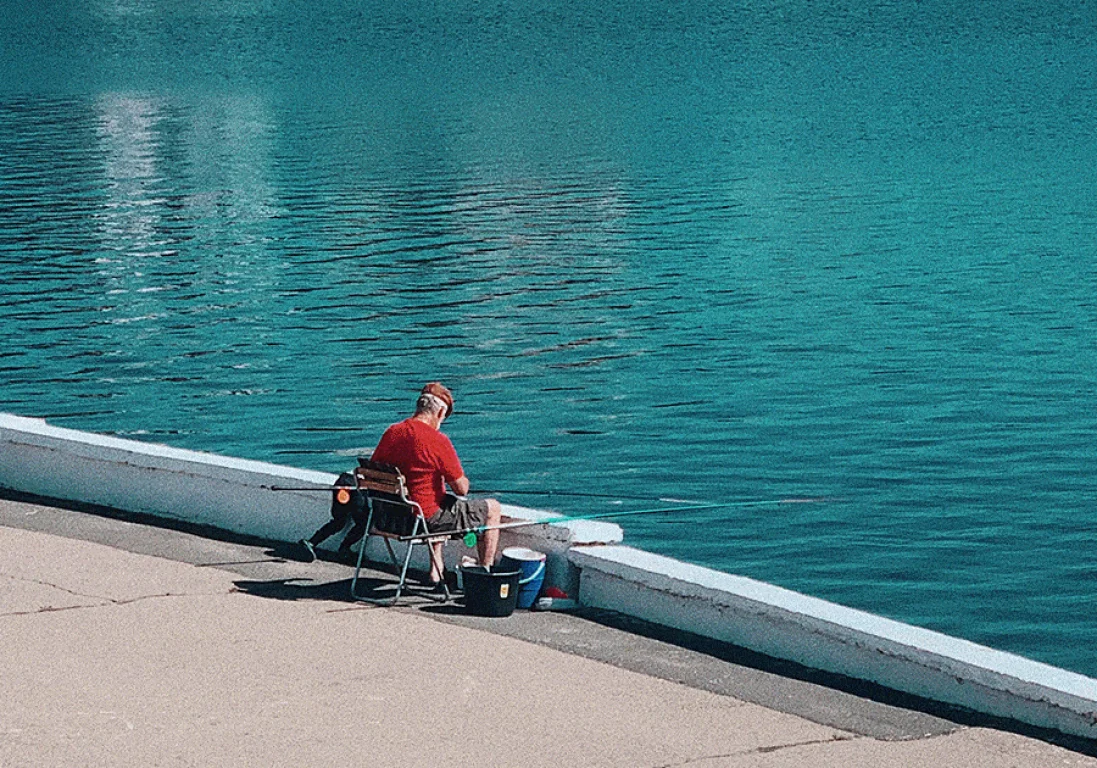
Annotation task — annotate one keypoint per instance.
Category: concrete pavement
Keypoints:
(127, 644)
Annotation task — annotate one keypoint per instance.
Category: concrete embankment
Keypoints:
(585, 558)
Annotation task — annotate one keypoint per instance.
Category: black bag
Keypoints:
(355, 503)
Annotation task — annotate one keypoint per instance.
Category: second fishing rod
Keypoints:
(504, 492)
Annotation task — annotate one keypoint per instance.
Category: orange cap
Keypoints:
(435, 388)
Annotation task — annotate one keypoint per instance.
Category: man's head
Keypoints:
(435, 399)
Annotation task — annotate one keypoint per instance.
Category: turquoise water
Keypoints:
(745, 251)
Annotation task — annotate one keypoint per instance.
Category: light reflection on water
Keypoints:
(700, 254)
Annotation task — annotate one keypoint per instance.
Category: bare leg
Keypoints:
(437, 564)
(489, 540)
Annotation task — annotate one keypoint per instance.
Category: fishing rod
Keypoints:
(469, 535)
(317, 488)
(342, 491)
(500, 491)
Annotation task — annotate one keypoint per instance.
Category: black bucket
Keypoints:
(489, 592)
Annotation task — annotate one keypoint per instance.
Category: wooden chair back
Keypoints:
(392, 513)
(377, 478)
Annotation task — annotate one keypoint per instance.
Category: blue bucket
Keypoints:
(531, 565)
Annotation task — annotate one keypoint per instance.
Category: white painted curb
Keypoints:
(822, 635)
(229, 493)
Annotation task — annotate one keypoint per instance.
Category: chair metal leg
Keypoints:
(403, 568)
(403, 571)
(361, 554)
(358, 569)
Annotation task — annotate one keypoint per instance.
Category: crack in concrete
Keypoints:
(52, 586)
(50, 609)
(760, 750)
(102, 601)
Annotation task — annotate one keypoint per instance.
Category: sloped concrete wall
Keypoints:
(232, 494)
(822, 635)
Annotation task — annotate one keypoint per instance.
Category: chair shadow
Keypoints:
(453, 608)
(299, 589)
(379, 586)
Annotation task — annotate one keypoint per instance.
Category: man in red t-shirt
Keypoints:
(429, 462)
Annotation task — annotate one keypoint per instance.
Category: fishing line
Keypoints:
(473, 532)
(470, 535)
(579, 494)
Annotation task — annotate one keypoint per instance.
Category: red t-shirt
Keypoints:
(425, 456)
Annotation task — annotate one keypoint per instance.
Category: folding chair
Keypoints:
(391, 515)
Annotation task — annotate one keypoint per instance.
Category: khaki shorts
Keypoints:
(458, 515)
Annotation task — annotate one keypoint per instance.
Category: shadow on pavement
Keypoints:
(298, 589)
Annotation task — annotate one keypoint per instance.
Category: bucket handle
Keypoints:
(535, 574)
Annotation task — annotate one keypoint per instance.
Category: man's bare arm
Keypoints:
(460, 486)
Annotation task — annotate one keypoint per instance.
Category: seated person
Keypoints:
(429, 462)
